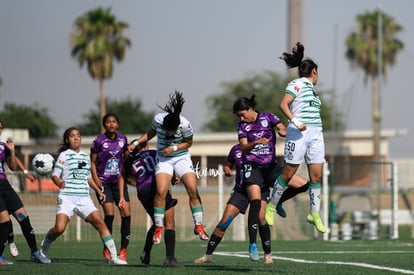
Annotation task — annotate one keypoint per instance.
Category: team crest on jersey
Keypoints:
(81, 164)
(121, 143)
(264, 123)
(297, 89)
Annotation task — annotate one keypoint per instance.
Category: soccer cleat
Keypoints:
(268, 259)
(205, 259)
(156, 238)
(315, 219)
(145, 258)
(106, 254)
(4, 261)
(122, 254)
(280, 210)
(39, 257)
(13, 249)
(253, 253)
(171, 262)
(199, 230)
(270, 214)
(117, 261)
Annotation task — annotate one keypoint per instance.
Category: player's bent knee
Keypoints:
(224, 226)
(58, 230)
(21, 216)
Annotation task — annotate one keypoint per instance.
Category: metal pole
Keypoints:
(333, 120)
(220, 191)
(325, 201)
(379, 80)
(394, 187)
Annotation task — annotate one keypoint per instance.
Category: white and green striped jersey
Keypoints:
(74, 168)
(167, 138)
(306, 105)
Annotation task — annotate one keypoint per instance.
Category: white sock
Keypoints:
(315, 198)
(278, 188)
(159, 214)
(110, 244)
(197, 212)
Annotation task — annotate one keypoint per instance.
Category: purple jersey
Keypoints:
(263, 127)
(110, 152)
(235, 157)
(4, 154)
(143, 168)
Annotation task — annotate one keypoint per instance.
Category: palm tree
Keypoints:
(362, 51)
(97, 39)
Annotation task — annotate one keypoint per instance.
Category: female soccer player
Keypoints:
(10, 202)
(239, 201)
(257, 138)
(72, 174)
(107, 156)
(12, 245)
(174, 137)
(304, 139)
(140, 168)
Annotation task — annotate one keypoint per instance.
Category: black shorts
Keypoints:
(262, 175)
(240, 200)
(146, 197)
(111, 191)
(9, 200)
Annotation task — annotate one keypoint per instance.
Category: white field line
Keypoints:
(343, 252)
(371, 266)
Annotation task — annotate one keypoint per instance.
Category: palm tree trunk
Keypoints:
(102, 102)
(378, 175)
(376, 117)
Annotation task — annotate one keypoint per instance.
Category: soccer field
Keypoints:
(290, 257)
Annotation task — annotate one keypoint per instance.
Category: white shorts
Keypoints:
(81, 205)
(181, 165)
(305, 145)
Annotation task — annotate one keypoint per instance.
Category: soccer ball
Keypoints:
(43, 163)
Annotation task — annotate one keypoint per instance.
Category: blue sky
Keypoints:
(194, 46)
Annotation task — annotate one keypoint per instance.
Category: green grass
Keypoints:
(290, 257)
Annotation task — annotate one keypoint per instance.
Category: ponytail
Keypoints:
(294, 59)
(173, 108)
(244, 103)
